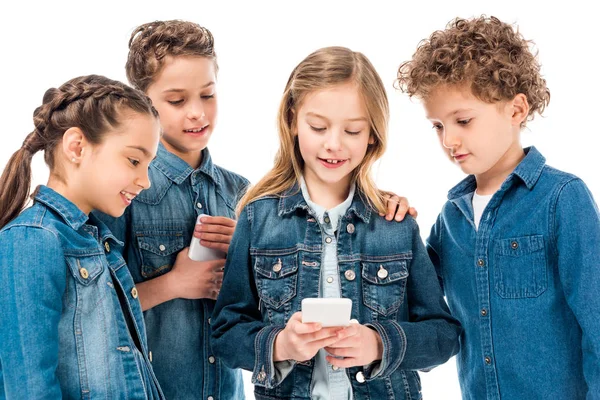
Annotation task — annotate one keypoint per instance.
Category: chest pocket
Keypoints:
(158, 251)
(384, 284)
(276, 278)
(520, 269)
(87, 289)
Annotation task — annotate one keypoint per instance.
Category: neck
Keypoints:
(328, 195)
(60, 187)
(490, 181)
(193, 158)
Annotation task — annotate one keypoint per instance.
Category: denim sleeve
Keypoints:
(576, 226)
(240, 338)
(430, 335)
(434, 248)
(32, 284)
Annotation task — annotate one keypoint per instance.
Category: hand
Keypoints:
(191, 279)
(358, 345)
(215, 232)
(300, 341)
(397, 207)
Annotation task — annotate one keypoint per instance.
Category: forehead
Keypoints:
(138, 130)
(445, 98)
(342, 101)
(185, 72)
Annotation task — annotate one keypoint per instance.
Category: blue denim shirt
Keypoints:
(275, 261)
(525, 285)
(158, 225)
(72, 326)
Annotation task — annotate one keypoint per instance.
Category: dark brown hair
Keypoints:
(486, 54)
(151, 43)
(91, 103)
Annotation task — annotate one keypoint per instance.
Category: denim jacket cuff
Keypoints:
(394, 347)
(264, 371)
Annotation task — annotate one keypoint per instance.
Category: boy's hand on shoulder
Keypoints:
(215, 232)
(301, 342)
(397, 207)
(357, 344)
(191, 279)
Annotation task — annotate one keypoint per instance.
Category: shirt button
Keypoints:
(277, 266)
(360, 378)
(327, 220)
(483, 312)
(488, 360)
(134, 293)
(382, 273)
(162, 247)
(211, 359)
(329, 279)
(209, 321)
(210, 398)
(480, 262)
(199, 205)
(107, 247)
(84, 273)
(327, 239)
(350, 228)
(261, 376)
(335, 367)
(350, 275)
(514, 245)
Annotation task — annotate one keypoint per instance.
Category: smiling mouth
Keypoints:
(128, 196)
(196, 130)
(332, 163)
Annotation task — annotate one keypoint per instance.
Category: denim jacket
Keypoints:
(525, 285)
(155, 228)
(72, 326)
(274, 261)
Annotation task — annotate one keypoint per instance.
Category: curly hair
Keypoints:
(485, 53)
(151, 43)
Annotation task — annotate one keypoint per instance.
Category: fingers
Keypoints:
(343, 362)
(413, 212)
(224, 221)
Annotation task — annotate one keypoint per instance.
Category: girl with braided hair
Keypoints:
(72, 326)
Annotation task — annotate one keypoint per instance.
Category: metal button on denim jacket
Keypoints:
(155, 228)
(274, 262)
(65, 307)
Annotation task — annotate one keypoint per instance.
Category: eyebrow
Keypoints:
(142, 149)
(177, 90)
(312, 114)
(453, 112)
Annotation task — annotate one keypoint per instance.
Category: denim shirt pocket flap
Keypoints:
(85, 269)
(520, 269)
(384, 284)
(158, 251)
(276, 278)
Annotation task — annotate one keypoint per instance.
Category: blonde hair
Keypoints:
(327, 67)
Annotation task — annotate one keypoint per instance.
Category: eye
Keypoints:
(314, 128)
(438, 127)
(133, 162)
(353, 132)
(464, 121)
(208, 96)
(175, 102)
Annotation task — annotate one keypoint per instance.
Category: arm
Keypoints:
(576, 226)
(434, 248)
(32, 285)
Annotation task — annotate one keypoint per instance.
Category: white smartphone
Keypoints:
(326, 311)
(197, 252)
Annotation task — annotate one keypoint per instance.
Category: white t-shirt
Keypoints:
(479, 204)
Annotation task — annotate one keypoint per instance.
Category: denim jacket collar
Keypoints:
(528, 170)
(71, 214)
(292, 199)
(178, 170)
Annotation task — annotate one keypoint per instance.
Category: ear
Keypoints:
(73, 145)
(520, 109)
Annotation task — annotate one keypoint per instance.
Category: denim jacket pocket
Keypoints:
(384, 283)
(87, 291)
(520, 269)
(276, 278)
(158, 251)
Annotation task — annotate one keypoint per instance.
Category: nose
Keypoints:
(333, 141)
(195, 110)
(449, 138)
(143, 180)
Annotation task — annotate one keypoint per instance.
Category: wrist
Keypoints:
(279, 353)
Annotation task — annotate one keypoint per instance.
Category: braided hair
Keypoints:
(92, 103)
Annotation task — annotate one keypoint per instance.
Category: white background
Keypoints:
(258, 44)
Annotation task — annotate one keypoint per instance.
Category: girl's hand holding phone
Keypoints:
(357, 345)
